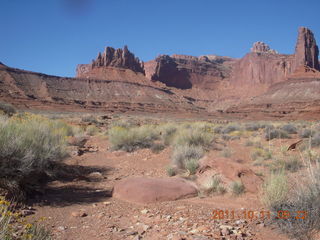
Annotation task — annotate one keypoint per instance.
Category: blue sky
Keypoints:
(53, 36)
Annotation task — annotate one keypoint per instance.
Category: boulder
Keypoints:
(149, 190)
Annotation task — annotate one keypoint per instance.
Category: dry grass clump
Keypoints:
(231, 128)
(301, 201)
(275, 133)
(237, 188)
(305, 133)
(130, 139)
(214, 185)
(183, 154)
(275, 190)
(289, 128)
(92, 130)
(7, 108)
(193, 137)
(252, 126)
(29, 145)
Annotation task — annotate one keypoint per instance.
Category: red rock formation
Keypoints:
(182, 71)
(117, 58)
(265, 66)
(307, 51)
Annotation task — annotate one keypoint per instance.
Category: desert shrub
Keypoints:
(193, 137)
(248, 143)
(92, 130)
(275, 133)
(28, 148)
(157, 147)
(305, 133)
(226, 152)
(289, 128)
(170, 171)
(252, 126)
(218, 129)
(167, 132)
(315, 140)
(261, 153)
(237, 188)
(191, 165)
(275, 190)
(130, 139)
(124, 123)
(231, 128)
(293, 164)
(7, 108)
(184, 153)
(304, 197)
(226, 137)
(214, 185)
(90, 119)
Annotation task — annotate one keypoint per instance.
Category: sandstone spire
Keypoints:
(307, 51)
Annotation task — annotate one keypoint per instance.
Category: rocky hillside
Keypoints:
(118, 81)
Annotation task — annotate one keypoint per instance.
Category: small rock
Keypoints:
(26, 212)
(61, 228)
(106, 203)
(79, 214)
(144, 211)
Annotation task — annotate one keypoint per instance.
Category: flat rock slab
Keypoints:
(150, 190)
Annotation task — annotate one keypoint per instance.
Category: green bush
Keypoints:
(182, 154)
(130, 139)
(167, 132)
(28, 148)
(7, 108)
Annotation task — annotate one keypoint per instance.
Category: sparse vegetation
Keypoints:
(14, 227)
(237, 188)
(92, 130)
(305, 133)
(29, 145)
(214, 185)
(130, 139)
(289, 128)
(275, 190)
(7, 108)
(275, 133)
(184, 153)
(226, 152)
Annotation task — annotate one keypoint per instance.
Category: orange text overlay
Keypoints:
(218, 214)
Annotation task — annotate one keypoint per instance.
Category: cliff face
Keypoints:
(182, 71)
(307, 51)
(110, 58)
(265, 66)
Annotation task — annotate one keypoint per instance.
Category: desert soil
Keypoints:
(83, 208)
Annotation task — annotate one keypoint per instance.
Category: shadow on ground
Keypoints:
(70, 184)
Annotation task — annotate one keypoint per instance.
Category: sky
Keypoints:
(53, 36)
